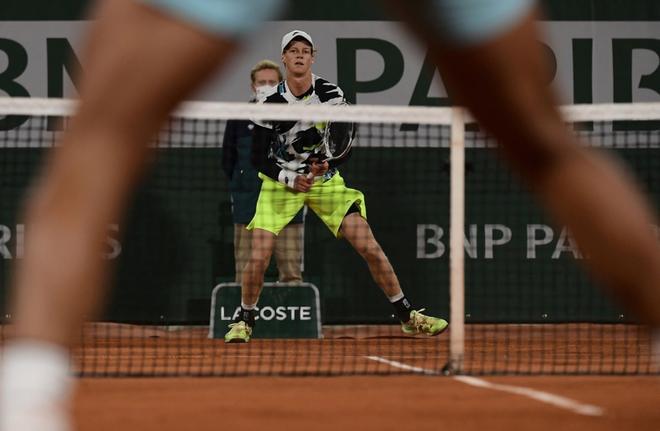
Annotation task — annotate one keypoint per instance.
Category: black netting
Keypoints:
(529, 307)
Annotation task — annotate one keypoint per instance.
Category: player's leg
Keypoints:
(263, 243)
(358, 233)
(502, 77)
(242, 249)
(276, 207)
(102, 155)
(288, 253)
(252, 280)
(129, 85)
(343, 210)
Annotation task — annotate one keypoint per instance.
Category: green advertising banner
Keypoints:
(176, 242)
(284, 311)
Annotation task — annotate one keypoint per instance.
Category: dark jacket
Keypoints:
(244, 184)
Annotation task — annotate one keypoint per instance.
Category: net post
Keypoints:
(456, 252)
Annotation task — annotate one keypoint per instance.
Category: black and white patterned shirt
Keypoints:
(283, 150)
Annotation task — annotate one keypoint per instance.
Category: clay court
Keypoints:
(121, 350)
(416, 395)
(363, 403)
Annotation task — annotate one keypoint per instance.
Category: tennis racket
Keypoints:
(336, 142)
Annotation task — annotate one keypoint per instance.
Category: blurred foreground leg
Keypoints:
(139, 64)
(502, 79)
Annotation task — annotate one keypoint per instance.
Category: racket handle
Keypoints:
(310, 176)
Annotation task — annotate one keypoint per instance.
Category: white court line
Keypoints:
(544, 397)
(403, 366)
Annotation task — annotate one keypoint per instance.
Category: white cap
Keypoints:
(287, 38)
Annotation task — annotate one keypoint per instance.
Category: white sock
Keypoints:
(396, 297)
(34, 376)
(248, 306)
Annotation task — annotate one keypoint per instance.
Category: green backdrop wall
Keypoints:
(176, 242)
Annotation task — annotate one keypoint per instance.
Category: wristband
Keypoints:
(288, 178)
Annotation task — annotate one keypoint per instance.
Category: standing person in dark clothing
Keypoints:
(244, 186)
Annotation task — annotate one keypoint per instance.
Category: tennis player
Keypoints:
(490, 61)
(285, 154)
(244, 185)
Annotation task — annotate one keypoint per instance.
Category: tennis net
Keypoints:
(518, 303)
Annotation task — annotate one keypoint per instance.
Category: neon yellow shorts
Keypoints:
(330, 200)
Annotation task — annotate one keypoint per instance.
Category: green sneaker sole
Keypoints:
(412, 331)
(238, 333)
(237, 340)
(442, 329)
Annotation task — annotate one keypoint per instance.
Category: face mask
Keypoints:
(262, 91)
